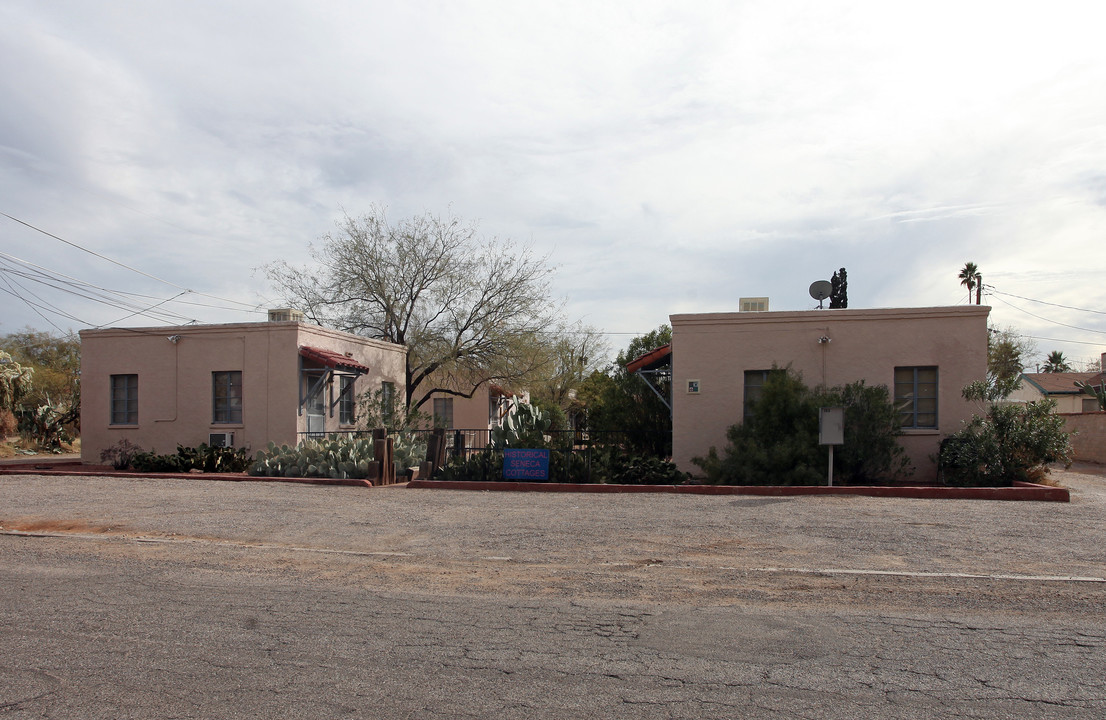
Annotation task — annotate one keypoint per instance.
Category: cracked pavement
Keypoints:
(142, 598)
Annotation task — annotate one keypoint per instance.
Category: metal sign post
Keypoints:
(831, 431)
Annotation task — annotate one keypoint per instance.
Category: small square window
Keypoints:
(692, 387)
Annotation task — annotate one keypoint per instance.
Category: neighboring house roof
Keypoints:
(650, 360)
(332, 359)
(1060, 383)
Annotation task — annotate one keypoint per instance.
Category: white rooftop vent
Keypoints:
(754, 304)
(286, 315)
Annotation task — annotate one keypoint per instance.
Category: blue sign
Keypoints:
(525, 464)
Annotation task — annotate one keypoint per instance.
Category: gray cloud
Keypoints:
(667, 159)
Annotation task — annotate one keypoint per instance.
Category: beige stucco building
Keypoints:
(1060, 387)
(484, 410)
(925, 356)
(242, 384)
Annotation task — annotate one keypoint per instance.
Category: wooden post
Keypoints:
(435, 454)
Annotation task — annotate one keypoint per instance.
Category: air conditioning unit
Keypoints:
(286, 315)
(225, 439)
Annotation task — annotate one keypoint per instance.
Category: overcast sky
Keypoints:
(667, 157)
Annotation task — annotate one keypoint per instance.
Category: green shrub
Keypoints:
(486, 465)
(602, 465)
(641, 470)
(871, 453)
(778, 443)
(186, 459)
(1008, 443)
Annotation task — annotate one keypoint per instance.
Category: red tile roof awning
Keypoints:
(650, 360)
(332, 359)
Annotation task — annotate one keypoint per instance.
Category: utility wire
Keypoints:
(993, 291)
(46, 272)
(81, 290)
(1074, 342)
(95, 296)
(91, 252)
(35, 309)
(125, 266)
(1054, 322)
(79, 287)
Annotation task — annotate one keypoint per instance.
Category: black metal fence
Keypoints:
(575, 456)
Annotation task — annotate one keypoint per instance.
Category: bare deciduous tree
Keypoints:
(470, 310)
(575, 352)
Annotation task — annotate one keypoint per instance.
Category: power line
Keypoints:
(93, 253)
(1048, 320)
(125, 266)
(991, 289)
(109, 298)
(1074, 342)
(80, 288)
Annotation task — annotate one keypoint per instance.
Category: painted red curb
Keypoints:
(228, 477)
(1020, 491)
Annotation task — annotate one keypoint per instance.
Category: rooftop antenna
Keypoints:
(820, 290)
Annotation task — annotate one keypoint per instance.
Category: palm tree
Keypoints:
(1056, 363)
(969, 276)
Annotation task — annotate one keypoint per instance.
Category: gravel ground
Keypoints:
(193, 598)
(641, 546)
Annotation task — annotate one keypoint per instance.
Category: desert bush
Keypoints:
(1007, 443)
(46, 427)
(205, 458)
(8, 423)
(600, 465)
(643, 470)
(778, 443)
(120, 454)
(871, 453)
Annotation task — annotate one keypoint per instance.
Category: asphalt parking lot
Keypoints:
(191, 598)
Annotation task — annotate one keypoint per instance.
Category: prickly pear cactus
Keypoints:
(337, 458)
(1099, 392)
(523, 426)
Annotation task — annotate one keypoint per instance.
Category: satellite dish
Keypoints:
(820, 290)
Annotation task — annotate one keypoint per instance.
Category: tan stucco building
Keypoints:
(240, 384)
(1060, 387)
(484, 410)
(925, 356)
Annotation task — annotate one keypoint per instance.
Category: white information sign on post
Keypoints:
(831, 431)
